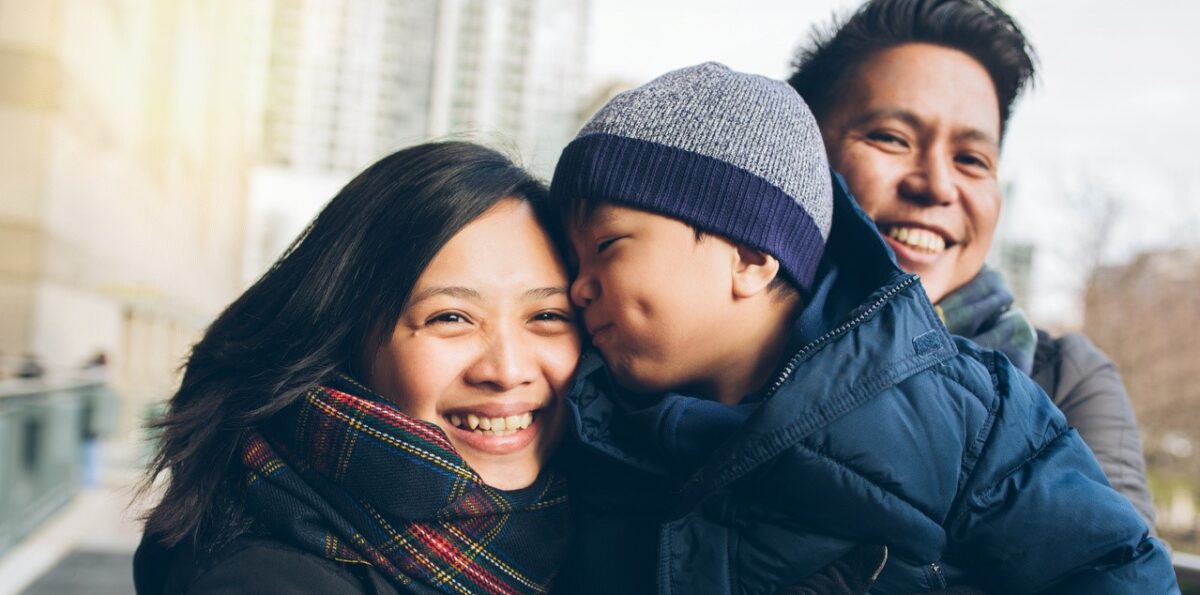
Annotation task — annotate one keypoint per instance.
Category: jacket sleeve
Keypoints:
(1089, 391)
(1036, 513)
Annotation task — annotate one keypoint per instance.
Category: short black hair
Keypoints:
(977, 28)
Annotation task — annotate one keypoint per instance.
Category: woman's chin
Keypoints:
(509, 469)
(509, 476)
(508, 460)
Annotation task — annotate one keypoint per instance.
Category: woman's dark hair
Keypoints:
(318, 310)
(977, 28)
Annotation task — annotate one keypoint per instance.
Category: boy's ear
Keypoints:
(753, 271)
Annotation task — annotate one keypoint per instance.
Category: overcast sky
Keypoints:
(1114, 109)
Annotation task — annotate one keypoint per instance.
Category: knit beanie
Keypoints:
(734, 154)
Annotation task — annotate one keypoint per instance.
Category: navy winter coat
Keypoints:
(880, 429)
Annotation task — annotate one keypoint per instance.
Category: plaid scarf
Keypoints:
(983, 311)
(346, 476)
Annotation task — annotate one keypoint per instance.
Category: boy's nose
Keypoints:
(584, 290)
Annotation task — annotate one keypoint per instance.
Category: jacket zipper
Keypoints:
(795, 360)
(879, 569)
(937, 573)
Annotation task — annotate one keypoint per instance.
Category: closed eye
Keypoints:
(604, 244)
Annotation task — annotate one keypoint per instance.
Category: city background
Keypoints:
(157, 156)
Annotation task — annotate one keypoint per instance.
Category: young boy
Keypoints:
(773, 390)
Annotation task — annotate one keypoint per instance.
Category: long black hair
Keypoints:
(318, 310)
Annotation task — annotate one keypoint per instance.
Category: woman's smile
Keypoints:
(500, 435)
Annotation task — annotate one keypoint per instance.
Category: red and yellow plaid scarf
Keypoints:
(347, 476)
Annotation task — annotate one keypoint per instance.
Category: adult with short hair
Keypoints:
(913, 98)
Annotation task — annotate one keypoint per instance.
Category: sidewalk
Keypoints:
(87, 547)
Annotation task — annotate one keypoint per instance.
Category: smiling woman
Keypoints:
(376, 413)
(486, 344)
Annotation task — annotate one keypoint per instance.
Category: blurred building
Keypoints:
(129, 129)
(1014, 260)
(1144, 315)
(348, 81)
(1013, 251)
(351, 81)
(513, 70)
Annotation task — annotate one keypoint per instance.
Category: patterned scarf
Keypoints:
(983, 311)
(346, 476)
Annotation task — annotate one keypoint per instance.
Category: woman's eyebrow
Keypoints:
(465, 293)
(542, 293)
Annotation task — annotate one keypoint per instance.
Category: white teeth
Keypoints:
(500, 426)
(916, 237)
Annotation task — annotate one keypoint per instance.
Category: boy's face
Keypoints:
(652, 296)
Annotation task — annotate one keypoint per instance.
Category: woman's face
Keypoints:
(917, 137)
(486, 345)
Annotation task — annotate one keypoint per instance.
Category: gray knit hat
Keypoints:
(735, 154)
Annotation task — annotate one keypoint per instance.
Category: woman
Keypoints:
(375, 414)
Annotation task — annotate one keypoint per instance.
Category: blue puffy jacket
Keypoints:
(881, 429)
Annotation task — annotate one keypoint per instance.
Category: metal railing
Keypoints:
(1187, 570)
(43, 429)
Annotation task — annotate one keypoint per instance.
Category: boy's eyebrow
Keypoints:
(596, 213)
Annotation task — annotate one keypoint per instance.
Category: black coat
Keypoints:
(248, 565)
